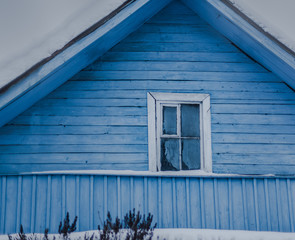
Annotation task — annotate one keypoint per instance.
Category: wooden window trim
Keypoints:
(155, 99)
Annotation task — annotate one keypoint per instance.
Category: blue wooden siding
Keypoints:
(98, 119)
(41, 201)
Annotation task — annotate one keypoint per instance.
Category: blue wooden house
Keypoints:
(179, 108)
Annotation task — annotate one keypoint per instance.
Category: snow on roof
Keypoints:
(274, 17)
(32, 30)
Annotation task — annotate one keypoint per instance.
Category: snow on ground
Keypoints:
(274, 16)
(209, 234)
(32, 30)
(198, 234)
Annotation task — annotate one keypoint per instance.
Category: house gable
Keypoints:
(98, 119)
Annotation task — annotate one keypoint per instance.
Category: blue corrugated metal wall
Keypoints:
(98, 119)
(251, 203)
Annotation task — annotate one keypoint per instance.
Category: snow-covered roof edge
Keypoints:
(43, 79)
(254, 42)
(67, 45)
(230, 4)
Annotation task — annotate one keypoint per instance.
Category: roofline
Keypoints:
(248, 36)
(256, 26)
(49, 74)
(70, 43)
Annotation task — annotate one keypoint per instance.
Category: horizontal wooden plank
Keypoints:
(256, 159)
(130, 103)
(81, 120)
(76, 130)
(66, 110)
(286, 149)
(175, 28)
(90, 107)
(176, 75)
(180, 38)
(175, 7)
(253, 119)
(271, 102)
(74, 148)
(218, 148)
(178, 66)
(138, 106)
(188, 20)
(235, 95)
(253, 108)
(253, 128)
(178, 19)
(58, 158)
(129, 130)
(254, 168)
(122, 94)
(88, 94)
(37, 167)
(176, 56)
(252, 138)
(175, 12)
(174, 47)
(73, 139)
(184, 85)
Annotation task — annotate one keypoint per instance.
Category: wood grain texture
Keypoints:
(99, 119)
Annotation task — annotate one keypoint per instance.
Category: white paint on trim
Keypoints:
(151, 101)
(155, 100)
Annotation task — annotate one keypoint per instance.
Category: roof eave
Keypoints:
(248, 36)
(70, 43)
(50, 73)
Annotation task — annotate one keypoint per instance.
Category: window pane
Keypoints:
(190, 150)
(169, 120)
(169, 154)
(190, 120)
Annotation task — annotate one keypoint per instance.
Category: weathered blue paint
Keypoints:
(98, 119)
(244, 203)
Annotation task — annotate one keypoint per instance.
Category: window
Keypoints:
(179, 132)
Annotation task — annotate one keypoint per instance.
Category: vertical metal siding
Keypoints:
(39, 201)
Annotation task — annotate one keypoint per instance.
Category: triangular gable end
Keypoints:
(98, 119)
(21, 95)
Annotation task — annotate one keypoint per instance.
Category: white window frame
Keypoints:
(155, 102)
